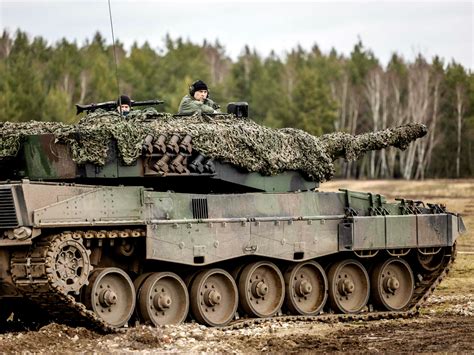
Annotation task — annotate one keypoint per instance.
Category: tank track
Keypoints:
(424, 288)
(32, 274)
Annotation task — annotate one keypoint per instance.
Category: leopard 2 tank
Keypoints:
(186, 231)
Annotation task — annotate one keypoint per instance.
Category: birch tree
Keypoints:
(436, 79)
(373, 95)
(418, 104)
(460, 107)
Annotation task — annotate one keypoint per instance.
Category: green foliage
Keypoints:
(455, 78)
(361, 61)
(57, 107)
(312, 104)
(305, 89)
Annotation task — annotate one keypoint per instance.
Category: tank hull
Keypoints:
(122, 236)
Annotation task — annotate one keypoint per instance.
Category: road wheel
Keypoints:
(348, 286)
(162, 298)
(392, 284)
(306, 288)
(111, 295)
(261, 289)
(214, 297)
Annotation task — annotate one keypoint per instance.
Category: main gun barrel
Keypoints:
(347, 146)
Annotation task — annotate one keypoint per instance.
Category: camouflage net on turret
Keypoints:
(239, 141)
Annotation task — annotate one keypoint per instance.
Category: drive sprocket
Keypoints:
(67, 263)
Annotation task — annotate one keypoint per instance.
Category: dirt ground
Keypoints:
(446, 322)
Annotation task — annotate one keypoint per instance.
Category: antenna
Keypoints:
(115, 56)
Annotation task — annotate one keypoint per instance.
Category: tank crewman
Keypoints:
(123, 105)
(198, 100)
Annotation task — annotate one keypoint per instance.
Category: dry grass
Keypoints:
(457, 195)
(460, 280)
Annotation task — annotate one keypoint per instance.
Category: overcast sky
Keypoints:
(407, 27)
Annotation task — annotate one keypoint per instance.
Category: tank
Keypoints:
(173, 223)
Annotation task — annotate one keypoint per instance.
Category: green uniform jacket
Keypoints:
(189, 106)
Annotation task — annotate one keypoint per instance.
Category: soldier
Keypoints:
(198, 100)
(123, 105)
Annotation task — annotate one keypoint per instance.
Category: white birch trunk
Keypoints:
(418, 104)
(83, 86)
(372, 93)
(434, 122)
(459, 112)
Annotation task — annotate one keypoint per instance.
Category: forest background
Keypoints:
(314, 91)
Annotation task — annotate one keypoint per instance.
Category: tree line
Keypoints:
(307, 89)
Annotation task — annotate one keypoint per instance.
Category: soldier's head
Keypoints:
(198, 90)
(123, 104)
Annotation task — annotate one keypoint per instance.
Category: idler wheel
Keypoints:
(111, 295)
(214, 297)
(392, 284)
(261, 289)
(430, 260)
(162, 298)
(348, 286)
(306, 288)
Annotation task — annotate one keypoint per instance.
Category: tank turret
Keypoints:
(219, 154)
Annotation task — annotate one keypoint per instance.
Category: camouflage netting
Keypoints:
(239, 141)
